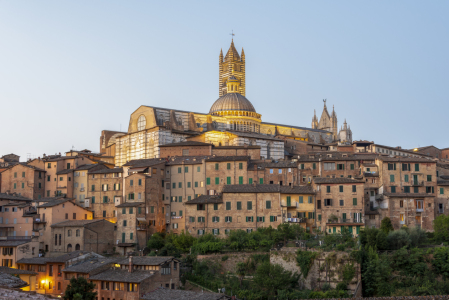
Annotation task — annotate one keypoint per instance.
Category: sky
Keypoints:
(69, 69)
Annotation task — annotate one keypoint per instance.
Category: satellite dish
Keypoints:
(223, 290)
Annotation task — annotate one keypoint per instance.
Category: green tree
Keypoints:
(80, 286)
(270, 278)
(183, 241)
(157, 241)
(441, 228)
(386, 225)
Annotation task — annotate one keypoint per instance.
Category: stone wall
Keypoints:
(326, 267)
(229, 265)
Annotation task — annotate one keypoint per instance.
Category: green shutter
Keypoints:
(241, 180)
(310, 199)
(208, 180)
(228, 180)
(406, 178)
(301, 200)
(93, 199)
(260, 180)
(268, 204)
(228, 165)
(186, 169)
(216, 166)
(344, 217)
(215, 206)
(240, 166)
(314, 166)
(354, 201)
(131, 236)
(250, 181)
(416, 167)
(352, 166)
(124, 211)
(441, 191)
(319, 217)
(249, 205)
(93, 187)
(217, 180)
(239, 205)
(289, 201)
(180, 199)
(391, 178)
(228, 205)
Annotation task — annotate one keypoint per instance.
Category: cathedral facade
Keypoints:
(232, 120)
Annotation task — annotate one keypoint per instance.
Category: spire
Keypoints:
(221, 55)
(243, 53)
(232, 52)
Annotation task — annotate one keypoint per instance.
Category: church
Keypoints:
(232, 120)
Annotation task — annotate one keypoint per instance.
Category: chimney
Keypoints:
(130, 267)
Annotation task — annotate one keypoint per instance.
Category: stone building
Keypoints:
(84, 235)
(442, 198)
(240, 206)
(284, 173)
(136, 276)
(339, 204)
(105, 191)
(16, 217)
(54, 182)
(407, 191)
(80, 181)
(130, 222)
(54, 211)
(12, 251)
(232, 121)
(25, 180)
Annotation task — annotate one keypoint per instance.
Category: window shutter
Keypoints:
(344, 216)
(300, 199)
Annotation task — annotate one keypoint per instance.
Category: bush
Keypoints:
(325, 287)
(386, 226)
(341, 247)
(398, 239)
(224, 258)
(441, 228)
(341, 286)
(305, 260)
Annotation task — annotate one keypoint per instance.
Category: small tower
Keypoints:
(334, 123)
(314, 120)
(345, 134)
(232, 64)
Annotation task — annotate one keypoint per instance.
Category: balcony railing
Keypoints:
(417, 183)
(419, 209)
(295, 220)
(402, 222)
(142, 227)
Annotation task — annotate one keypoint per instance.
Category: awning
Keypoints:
(141, 219)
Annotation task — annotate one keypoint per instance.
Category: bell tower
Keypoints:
(232, 64)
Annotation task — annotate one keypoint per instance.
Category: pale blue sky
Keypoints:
(69, 69)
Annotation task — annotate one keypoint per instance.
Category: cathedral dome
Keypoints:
(232, 101)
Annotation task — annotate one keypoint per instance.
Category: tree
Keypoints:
(386, 225)
(441, 228)
(156, 241)
(79, 287)
(270, 278)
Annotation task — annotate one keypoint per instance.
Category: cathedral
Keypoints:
(232, 121)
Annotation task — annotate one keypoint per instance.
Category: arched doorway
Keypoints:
(69, 248)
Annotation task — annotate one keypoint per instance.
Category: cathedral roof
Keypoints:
(232, 101)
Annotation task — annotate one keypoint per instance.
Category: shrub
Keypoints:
(398, 239)
(341, 247)
(224, 258)
(341, 286)
(305, 260)
(386, 226)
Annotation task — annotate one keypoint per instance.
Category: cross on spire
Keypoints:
(232, 34)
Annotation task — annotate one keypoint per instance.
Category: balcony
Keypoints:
(417, 183)
(379, 197)
(142, 227)
(295, 220)
(420, 210)
(29, 212)
(402, 222)
(81, 189)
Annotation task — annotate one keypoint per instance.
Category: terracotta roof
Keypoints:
(120, 275)
(369, 165)
(227, 158)
(188, 143)
(267, 188)
(91, 265)
(206, 199)
(408, 195)
(335, 156)
(13, 243)
(107, 171)
(144, 162)
(16, 271)
(55, 202)
(89, 166)
(336, 180)
(186, 160)
(236, 147)
(147, 260)
(163, 294)
(10, 281)
(443, 182)
(405, 159)
(130, 204)
(4, 196)
(279, 164)
(76, 223)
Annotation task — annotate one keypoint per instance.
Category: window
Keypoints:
(354, 201)
(441, 191)
(240, 166)
(280, 171)
(329, 166)
(228, 205)
(354, 189)
(217, 180)
(179, 170)
(228, 166)
(405, 167)
(406, 189)
(208, 181)
(391, 178)
(216, 166)
(124, 223)
(352, 166)
(406, 178)
(188, 184)
(273, 218)
(228, 219)
(240, 179)
(249, 205)
(415, 189)
(180, 185)
(239, 205)
(228, 180)
(416, 167)
(429, 177)
(328, 189)
(201, 219)
(215, 219)
(196, 184)
(174, 185)
(391, 166)
(342, 202)
(186, 169)
(268, 204)
(301, 200)
(341, 188)
(271, 171)
(340, 166)
(302, 167)
(314, 166)
(249, 219)
(69, 232)
(327, 202)
(393, 189)
(260, 180)
(309, 200)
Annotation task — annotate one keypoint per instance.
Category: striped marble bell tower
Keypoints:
(231, 64)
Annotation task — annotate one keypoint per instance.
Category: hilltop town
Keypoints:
(91, 214)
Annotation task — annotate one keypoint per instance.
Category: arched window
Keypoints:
(69, 248)
(69, 232)
(141, 123)
(77, 247)
(77, 232)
